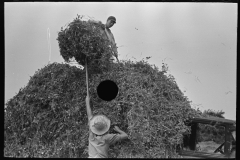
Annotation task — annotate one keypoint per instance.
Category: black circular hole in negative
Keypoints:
(107, 90)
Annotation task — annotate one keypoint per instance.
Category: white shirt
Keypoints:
(110, 36)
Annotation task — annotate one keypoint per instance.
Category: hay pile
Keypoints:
(83, 38)
(47, 118)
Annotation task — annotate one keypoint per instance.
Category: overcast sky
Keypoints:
(198, 41)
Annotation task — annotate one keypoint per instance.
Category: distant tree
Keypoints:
(210, 132)
(214, 113)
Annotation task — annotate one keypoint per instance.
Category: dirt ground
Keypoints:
(208, 146)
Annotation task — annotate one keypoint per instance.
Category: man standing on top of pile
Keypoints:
(108, 34)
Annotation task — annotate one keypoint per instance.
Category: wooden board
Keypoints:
(187, 154)
(213, 120)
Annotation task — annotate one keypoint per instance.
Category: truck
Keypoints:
(229, 141)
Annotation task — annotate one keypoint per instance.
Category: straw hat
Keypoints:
(99, 124)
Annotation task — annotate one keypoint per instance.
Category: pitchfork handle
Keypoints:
(87, 77)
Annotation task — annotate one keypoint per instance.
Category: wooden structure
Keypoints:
(229, 125)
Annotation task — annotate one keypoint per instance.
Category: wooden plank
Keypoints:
(192, 157)
(201, 154)
(193, 136)
(213, 120)
(228, 142)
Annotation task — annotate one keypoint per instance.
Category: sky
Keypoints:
(198, 42)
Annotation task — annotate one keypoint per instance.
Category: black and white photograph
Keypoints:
(120, 79)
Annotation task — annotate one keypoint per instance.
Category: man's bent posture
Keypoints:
(108, 34)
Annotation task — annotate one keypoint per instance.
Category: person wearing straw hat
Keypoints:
(99, 137)
(108, 34)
